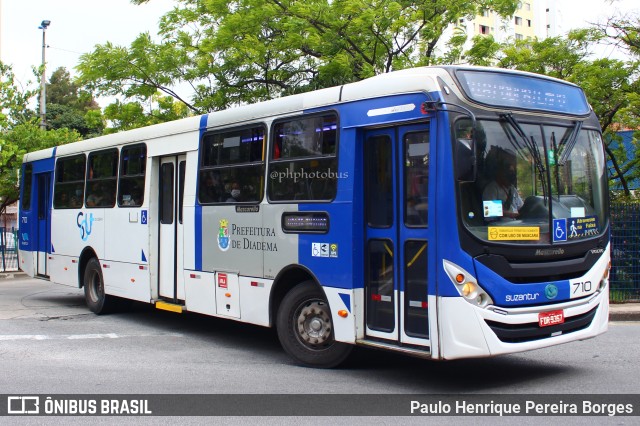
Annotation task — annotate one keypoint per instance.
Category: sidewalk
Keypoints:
(617, 311)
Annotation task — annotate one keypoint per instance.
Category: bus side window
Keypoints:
(304, 164)
(232, 167)
(133, 162)
(69, 182)
(102, 174)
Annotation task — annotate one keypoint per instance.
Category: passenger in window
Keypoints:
(96, 198)
(75, 202)
(63, 200)
(503, 187)
(235, 195)
(210, 192)
(134, 198)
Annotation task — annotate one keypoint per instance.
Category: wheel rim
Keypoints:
(95, 286)
(313, 324)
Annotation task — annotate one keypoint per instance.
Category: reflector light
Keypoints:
(343, 313)
(376, 297)
(459, 278)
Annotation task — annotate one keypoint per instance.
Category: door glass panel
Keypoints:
(181, 172)
(416, 172)
(26, 187)
(379, 181)
(380, 284)
(416, 320)
(166, 194)
(43, 191)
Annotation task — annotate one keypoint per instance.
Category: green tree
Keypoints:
(68, 104)
(251, 50)
(131, 115)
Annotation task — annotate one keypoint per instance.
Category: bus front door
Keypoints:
(43, 200)
(170, 242)
(396, 181)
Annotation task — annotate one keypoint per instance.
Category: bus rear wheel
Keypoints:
(305, 328)
(97, 301)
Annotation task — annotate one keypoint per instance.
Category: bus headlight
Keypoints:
(467, 285)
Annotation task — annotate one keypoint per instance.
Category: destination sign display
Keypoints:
(522, 91)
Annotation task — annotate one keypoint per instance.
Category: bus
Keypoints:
(443, 212)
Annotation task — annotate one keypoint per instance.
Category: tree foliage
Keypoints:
(68, 105)
(251, 50)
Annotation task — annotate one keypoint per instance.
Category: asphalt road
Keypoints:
(50, 343)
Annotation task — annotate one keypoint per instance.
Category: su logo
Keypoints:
(85, 223)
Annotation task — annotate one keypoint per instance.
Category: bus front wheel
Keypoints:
(97, 301)
(305, 328)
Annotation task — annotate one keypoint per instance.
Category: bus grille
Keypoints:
(517, 333)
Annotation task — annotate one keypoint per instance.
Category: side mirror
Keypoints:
(466, 168)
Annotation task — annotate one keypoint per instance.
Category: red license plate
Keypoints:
(546, 319)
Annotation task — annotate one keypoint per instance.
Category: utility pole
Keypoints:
(43, 81)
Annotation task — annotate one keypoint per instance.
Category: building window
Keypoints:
(518, 36)
(527, 6)
(304, 162)
(232, 169)
(484, 29)
(529, 23)
(518, 20)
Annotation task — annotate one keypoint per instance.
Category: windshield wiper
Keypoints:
(531, 146)
(570, 143)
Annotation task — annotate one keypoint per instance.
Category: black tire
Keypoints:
(97, 301)
(305, 328)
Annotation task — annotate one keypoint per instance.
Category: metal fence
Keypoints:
(8, 250)
(625, 253)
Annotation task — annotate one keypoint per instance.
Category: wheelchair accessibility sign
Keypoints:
(559, 230)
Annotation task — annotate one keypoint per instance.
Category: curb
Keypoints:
(624, 316)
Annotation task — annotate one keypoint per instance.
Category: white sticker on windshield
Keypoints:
(492, 208)
(578, 212)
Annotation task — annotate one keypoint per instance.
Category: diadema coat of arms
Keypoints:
(224, 239)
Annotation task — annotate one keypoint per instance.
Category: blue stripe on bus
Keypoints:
(31, 237)
(504, 293)
(198, 207)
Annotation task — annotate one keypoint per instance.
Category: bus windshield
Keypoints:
(531, 177)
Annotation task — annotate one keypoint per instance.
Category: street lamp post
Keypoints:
(43, 81)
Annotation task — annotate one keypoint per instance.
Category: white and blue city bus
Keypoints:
(443, 212)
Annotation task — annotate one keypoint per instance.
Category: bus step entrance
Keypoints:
(171, 307)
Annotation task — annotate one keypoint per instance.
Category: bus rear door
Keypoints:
(171, 261)
(396, 180)
(43, 208)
